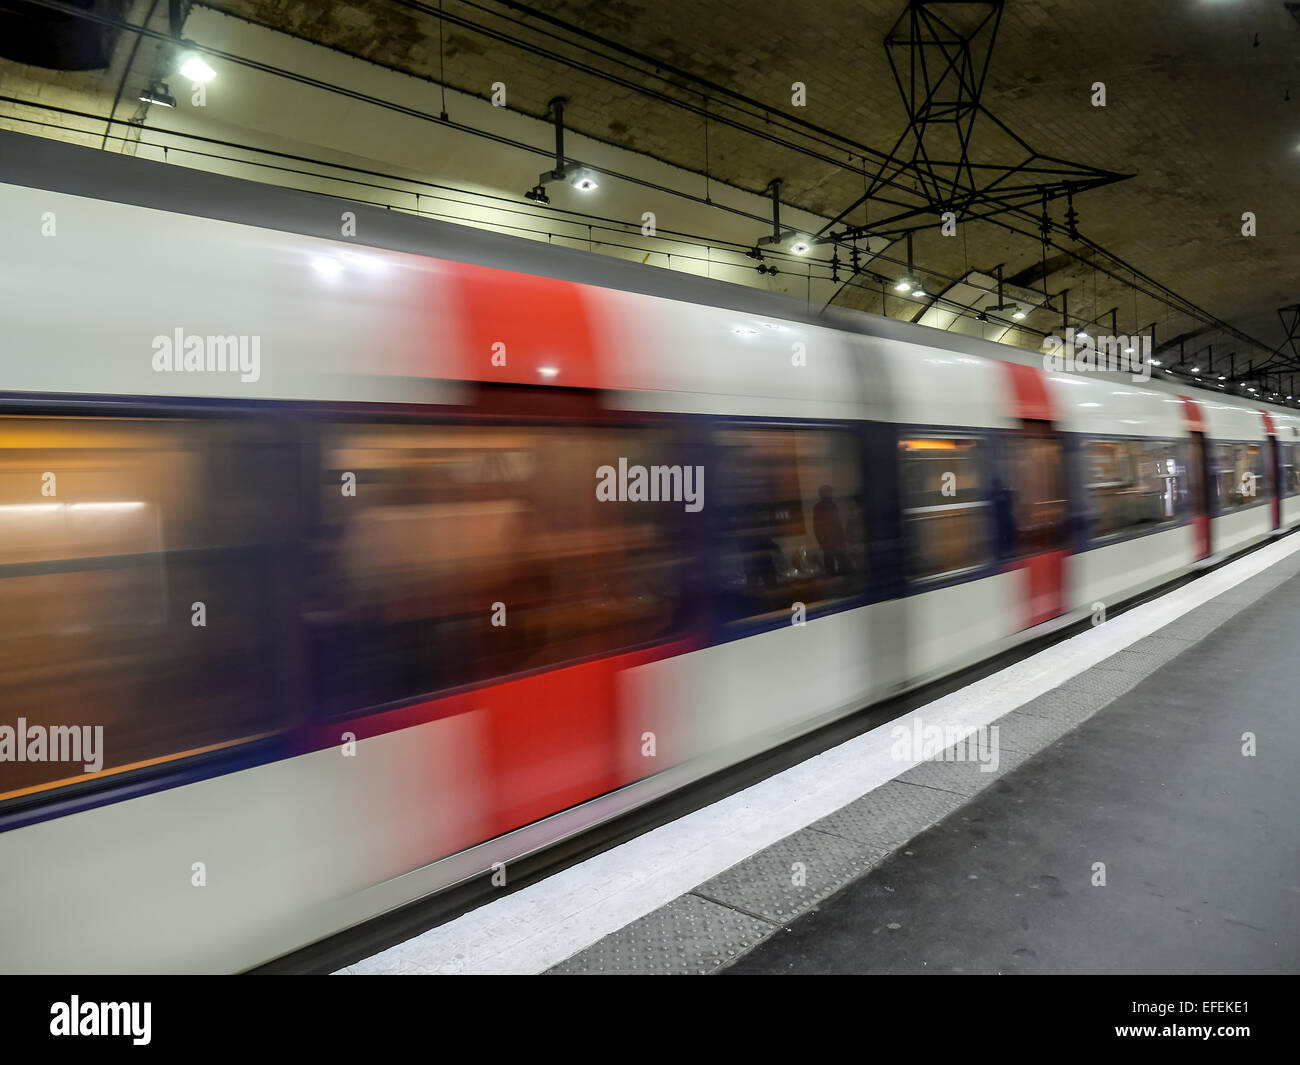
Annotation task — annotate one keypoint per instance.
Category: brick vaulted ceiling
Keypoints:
(1203, 109)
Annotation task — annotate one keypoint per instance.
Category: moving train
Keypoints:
(345, 556)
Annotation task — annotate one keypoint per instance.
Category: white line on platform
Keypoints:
(539, 926)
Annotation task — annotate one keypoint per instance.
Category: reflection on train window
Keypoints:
(1037, 505)
(790, 514)
(1132, 485)
(946, 506)
(1291, 468)
(448, 521)
(111, 530)
(1238, 473)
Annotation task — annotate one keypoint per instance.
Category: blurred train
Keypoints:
(379, 559)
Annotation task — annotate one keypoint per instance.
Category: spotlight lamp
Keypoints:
(580, 177)
(158, 93)
(583, 179)
(193, 66)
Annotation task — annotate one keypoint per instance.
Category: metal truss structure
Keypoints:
(939, 52)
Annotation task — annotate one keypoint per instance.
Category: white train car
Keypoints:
(380, 562)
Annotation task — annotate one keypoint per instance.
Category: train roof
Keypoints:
(663, 347)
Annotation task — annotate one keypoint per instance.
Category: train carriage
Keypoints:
(311, 529)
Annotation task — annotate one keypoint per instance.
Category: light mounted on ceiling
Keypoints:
(158, 93)
(192, 65)
(581, 177)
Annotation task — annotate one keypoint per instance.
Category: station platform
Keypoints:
(1138, 815)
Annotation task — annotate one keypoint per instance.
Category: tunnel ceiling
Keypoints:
(1196, 109)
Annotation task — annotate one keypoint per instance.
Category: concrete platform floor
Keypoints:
(1200, 842)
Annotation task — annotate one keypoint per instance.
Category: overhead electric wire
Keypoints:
(1184, 306)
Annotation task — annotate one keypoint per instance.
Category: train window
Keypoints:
(141, 580)
(791, 517)
(1038, 496)
(1239, 476)
(1132, 485)
(947, 512)
(1291, 468)
(471, 552)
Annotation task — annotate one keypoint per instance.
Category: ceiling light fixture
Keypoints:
(157, 93)
(581, 177)
(583, 180)
(193, 67)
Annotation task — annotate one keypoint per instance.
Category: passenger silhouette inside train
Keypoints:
(829, 531)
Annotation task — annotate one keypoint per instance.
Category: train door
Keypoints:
(596, 587)
(1038, 514)
(1274, 456)
(1198, 474)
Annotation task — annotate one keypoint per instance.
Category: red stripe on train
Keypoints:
(1046, 594)
(1031, 400)
(548, 740)
(520, 329)
(1193, 411)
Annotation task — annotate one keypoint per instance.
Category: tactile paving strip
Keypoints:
(891, 815)
(689, 935)
(958, 775)
(792, 875)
